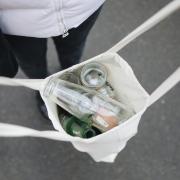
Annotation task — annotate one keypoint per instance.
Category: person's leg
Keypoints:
(71, 47)
(31, 55)
(8, 64)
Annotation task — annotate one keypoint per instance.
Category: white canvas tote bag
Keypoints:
(104, 147)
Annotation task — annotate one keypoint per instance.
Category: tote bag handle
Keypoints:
(147, 25)
(10, 130)
(30, 83)
(166, 86)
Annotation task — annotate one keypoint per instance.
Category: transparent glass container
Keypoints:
(80, 101)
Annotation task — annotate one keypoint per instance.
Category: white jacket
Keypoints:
(44, 18)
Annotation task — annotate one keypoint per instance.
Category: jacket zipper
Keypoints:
(65, 32)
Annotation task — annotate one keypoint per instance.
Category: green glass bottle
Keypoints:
(76, 127)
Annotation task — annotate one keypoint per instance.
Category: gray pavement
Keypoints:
(154, 153)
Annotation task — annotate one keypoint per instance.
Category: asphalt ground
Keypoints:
(154, 153)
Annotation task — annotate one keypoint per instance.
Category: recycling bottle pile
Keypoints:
(88, 101)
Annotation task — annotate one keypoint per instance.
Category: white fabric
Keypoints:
(44, 18)
(30, 83)
(106, 146)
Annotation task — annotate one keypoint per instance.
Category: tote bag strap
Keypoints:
(147, 25)
(10, 130)
(167, 85)
(30, 83)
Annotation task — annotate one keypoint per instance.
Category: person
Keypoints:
(26, 26)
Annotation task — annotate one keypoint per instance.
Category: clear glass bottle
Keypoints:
(79, 101)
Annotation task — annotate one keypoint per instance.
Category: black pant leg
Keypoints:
(31, 54)
(8, 64)
(70, 48)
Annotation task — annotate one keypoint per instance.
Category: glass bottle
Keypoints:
(79, 101)
(76, 127)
